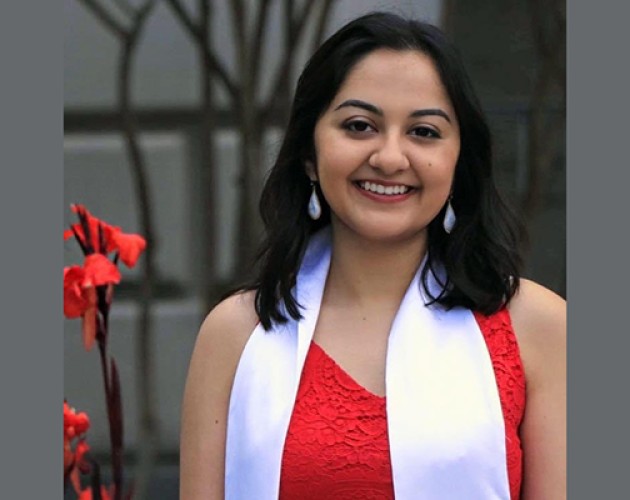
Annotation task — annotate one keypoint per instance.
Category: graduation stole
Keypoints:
(445, 423)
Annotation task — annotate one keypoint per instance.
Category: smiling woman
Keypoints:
(385, 345)
(371, 143)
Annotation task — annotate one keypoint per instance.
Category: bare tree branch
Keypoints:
(146, 8)
(322, 21)
(106, 18)
(287, 67)
(207, 170)
(204, 23)
(295, 30)
(240, 36)
(223, 75)
(288, 23)
(238, 18)
(195, 33)
(297, 26)
(182, 14)
(258, 39)
(125, 7)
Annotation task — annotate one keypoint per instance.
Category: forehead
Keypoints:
(408, 77)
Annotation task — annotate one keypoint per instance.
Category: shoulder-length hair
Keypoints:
(481, 256)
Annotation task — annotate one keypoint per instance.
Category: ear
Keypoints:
(311, 171)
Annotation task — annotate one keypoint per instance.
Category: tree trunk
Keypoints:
(208, 176)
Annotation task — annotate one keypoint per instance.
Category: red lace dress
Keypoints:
(337, 445)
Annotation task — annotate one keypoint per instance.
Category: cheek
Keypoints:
(337, 159)
(441, 167)
(438, 171)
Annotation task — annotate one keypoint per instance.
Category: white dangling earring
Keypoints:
(449, 218)
(314, 206)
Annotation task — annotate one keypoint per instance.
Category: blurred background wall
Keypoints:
(193, 162)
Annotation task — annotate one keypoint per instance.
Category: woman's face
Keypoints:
(386, 147)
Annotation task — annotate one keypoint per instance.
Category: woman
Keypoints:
(387, 344)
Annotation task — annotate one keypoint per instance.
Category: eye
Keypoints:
(425, 132)
(358, 126)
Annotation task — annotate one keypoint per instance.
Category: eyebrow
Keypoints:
(356, 103)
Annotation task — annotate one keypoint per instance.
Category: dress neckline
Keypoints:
(349, 379)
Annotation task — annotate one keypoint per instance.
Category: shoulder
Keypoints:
(220, 343)
(534, 299)
(230, 322)
(539, 320)
(221, 340)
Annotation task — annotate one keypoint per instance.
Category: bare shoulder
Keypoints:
(221, 340)
(229, 325)
(537, 307)
(539, 320)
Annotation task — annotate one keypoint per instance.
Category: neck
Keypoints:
(370, 273)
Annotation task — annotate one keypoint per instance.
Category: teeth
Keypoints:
(386, 190)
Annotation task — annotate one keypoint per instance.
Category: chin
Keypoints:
(391, 234)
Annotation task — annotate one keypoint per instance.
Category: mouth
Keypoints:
(393, 190)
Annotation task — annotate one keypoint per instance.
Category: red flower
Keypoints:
(94, 227)
(105, 238)
(80, 451)
(75, 425)
(80, 298)
(80, 301)
(75, 301)
(129, 246)
(99, 270)
(87, 494)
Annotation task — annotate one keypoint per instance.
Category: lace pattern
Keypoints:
(510, 375)
(337, 445)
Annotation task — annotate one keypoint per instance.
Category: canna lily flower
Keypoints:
(80, 301)
(80, 451)
(129, 246)
(75, 301)
(105, 238)
(86, 494)
(88, 293)
(75, 425)
(88, 326)
(80, 298)
(88, 231)
(99, 270)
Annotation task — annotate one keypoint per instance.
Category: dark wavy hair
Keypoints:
(481, 256)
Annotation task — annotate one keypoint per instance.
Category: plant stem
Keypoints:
(116, 452)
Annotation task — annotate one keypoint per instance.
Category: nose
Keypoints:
(389, 157)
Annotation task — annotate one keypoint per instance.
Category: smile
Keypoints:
(381, 189)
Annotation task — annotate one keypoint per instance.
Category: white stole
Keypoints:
(445, 423)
